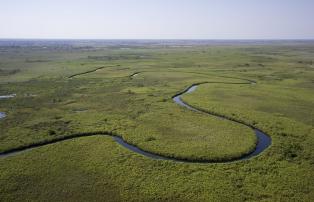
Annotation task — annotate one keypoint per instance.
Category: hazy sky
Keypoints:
(157, 19)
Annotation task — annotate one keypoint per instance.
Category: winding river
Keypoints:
(263, 140)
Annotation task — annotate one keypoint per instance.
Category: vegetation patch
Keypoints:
(140, 109)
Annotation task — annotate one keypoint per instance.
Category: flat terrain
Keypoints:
(69, 89)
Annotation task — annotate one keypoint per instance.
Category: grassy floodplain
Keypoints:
(65, 88)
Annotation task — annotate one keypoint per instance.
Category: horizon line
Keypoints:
(195, 39)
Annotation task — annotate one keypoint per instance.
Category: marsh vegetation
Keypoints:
(140, 110)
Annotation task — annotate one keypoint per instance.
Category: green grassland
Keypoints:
(49, 105)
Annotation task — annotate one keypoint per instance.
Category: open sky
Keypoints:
(157, 19)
